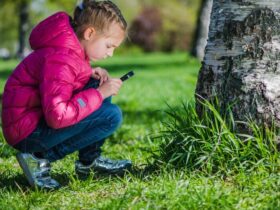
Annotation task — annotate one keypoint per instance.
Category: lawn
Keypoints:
(160, 79)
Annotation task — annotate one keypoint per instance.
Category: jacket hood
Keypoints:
(55, 31)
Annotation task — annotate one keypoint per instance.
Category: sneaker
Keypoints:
(104, 165)
(37, 171)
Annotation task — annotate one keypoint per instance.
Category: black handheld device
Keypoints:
(127, 75)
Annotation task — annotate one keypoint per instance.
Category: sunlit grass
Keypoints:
(160, 79)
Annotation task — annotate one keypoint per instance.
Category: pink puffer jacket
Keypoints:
(48, 82)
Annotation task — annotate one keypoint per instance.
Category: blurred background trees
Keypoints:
(153, 25)
(164, 25)
(18, 17)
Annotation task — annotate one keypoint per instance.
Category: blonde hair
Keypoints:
(98, 14)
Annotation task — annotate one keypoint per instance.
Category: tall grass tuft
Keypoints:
(210, 143)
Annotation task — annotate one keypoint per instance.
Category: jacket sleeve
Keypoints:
(61, 107)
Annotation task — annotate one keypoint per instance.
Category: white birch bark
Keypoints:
(201, 34)
(241, 64)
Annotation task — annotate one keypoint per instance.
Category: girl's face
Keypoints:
(100, 46)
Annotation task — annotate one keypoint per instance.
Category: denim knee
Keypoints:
(115, 116)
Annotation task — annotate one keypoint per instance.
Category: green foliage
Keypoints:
(38, 10)
(210, 143)
(129, 8)
(178, 25)
(165, 25)
(8, 27)
(178, 17)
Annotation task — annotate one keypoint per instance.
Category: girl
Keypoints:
(54, 104)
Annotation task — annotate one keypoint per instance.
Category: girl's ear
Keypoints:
(89, 33)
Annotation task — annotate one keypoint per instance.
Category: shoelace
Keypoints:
(106, 160)
(44, 172)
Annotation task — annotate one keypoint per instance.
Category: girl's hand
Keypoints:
(100, 74)
(110, 87)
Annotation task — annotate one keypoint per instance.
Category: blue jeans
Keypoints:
(87, 136)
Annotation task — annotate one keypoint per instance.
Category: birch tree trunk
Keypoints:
(241, 64)
(202, 28)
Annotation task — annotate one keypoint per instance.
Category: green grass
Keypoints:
(212, 145)
(159, 79)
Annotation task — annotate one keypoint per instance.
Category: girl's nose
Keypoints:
(110, 53)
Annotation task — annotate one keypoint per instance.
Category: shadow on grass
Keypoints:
(121, 67)
(137, 172)
(146, 172)
(143, 116)
(6, 151)
(19, 183)
(5, 73)
(15, 183)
